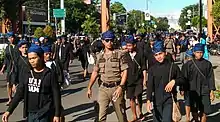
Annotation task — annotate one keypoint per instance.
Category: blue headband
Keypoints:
(108, 35)
(36, 49)
(158, 47)
(46, 49)
(22, 42)
(189, 53)
(10, 34)
(123, 43)
(198, 47)
(36, 40)
(130, 39)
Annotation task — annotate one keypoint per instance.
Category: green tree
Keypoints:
(76, 11)
(135, 19)
(183, 19)
(117, 8)
(38, 32)
(90, 26)
(48, 31)
(196, 20)
(216, 12)
(162, 24)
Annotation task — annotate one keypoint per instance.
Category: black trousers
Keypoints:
(163, 112)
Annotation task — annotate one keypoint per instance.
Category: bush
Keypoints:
(38, 32)
(2, 56)
(48, 31)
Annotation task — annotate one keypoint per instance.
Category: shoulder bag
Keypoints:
(176, 114)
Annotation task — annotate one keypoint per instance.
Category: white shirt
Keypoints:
(132, 55)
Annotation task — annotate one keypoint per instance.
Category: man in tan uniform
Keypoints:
(111, 66)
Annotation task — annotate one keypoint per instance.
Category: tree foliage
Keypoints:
(216, 12)
(162, 24)
(196, 20)
(48, 31)
(135, 19)
(183, 19)
(76, 12)
(90, 26)
(117, 8)
(38, 32)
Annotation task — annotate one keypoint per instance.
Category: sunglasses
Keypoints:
(108, 40)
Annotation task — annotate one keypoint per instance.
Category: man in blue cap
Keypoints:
(200, 80)
(111, 67)
(163, 77)
(10, 63)
(23, 65)
(53, 64)
(40, 91)
(189, 56)
(136, 77)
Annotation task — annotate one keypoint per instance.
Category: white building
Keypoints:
(173, 19)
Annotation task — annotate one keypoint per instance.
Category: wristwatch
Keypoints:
(122, 86)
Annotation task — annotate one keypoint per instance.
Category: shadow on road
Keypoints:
(74, 65)
(3, 100)
(88, 115)
(214, 67)
(76, 72)
(22, 121)
(3, 86)
(78, 108)
(67, 92)
(1, 113)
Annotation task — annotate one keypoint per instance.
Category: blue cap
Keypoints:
(189, 53)
(22, 42)
(108, 35)
(158, 47)
(123, 43)
(46, 49)
(36, 49)
(45, 37)
(198, 47)
(10, 34)
(130, 39)
(36, 40)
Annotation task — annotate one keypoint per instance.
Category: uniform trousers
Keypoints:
(104, 98)
(163, 112)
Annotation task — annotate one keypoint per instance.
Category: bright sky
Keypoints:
(157, 7)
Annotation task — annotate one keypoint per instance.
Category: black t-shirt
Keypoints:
(136, 65)
(33, 91)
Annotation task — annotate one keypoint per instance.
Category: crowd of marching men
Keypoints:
(37, 70)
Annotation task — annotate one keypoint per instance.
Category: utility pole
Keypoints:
(105, 15)
(63, 20)
(200, 17)
(48, 13)
(210, 19)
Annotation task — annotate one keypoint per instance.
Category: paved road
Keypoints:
(79, 108)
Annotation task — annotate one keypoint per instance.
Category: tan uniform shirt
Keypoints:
(110, 66)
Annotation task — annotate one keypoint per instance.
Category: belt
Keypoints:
(110, 85)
